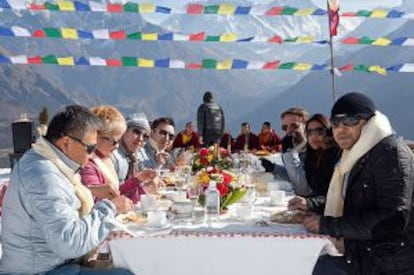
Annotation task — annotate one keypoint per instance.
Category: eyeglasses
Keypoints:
(90, 148)
(349, 121)
(319, 131)
(111, 140)
(294, 126)
(166, 134)
(139, 133)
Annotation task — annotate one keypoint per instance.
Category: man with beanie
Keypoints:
(368, 209)
(210, 120)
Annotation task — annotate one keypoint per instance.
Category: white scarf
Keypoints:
(108, 171)
(43, 148)
(376, 129)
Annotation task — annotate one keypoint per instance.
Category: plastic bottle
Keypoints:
(212, 203)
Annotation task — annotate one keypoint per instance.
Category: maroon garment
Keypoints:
(253, 142)
(194, 141)
(224, 141)
(273, 143)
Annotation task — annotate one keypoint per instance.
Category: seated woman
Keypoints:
(322, 154)
(188, 138)
(99, 174)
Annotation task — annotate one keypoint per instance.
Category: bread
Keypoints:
(287, 216)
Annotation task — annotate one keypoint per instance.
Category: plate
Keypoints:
(161, 227)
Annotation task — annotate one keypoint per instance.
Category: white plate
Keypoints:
(161, 227)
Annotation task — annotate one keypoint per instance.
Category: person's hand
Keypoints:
(298, 203)
(122, 204)
(146, 175)
(161, 157)
(104, 191)
(312, 223)
(287, 143)
(267, 165)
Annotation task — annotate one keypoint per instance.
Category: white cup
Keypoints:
(148, 202)
(277, 197)
(156, 218)
(244, 211)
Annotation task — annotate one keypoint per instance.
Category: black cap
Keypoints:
(354, 104)
(208, 96)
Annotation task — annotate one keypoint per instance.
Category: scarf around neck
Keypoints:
(376, 129)
(43, 148)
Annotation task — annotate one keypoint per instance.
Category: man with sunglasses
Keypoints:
(368, 209)
(293, 151)
(49, 219)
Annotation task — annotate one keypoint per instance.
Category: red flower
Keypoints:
(203, 161)
(203, 152)
(223, 189)
(227, 178)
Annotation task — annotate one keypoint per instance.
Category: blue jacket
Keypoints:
(41, 226)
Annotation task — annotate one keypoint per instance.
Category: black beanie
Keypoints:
(354, 104)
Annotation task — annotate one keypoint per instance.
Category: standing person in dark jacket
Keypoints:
(210, 120)
(369, 202)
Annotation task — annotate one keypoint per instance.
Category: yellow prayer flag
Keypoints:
(305, 39)
(379, 14)
(69, 33)
(66, 61)
(305, 12)
(225, 64)
(145, 63)
(149, 36)
(377, 69)
(226, 8)
(302, 67)
(382, 41)
(228, 37)
(66, 5)
(147, 8)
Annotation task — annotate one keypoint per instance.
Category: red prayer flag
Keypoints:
(113, 63)
(197, 36)
(275, 11)
(195, 9)
(276, 39)
(37, 7)
(271, 65)
(194, 66)
(347, 67)
(117, 35)
(333, 13)
(350, 40)
(39, 33)
(34, 60)
(114, 7)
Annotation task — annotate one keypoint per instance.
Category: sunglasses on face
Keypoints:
(293, 126)
(166, 134)
(319, 131)
(139, 133)
(112, 141)
(90, 148)
(349, 121)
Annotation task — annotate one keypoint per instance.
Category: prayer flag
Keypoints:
(333, 13)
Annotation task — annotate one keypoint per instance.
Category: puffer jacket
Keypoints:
(41, 226)
(210, 122)
(378, 222)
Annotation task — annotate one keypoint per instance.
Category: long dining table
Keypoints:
(230, 245)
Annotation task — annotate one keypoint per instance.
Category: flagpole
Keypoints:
(332, 70)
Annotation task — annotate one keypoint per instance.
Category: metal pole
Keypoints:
(332, 70)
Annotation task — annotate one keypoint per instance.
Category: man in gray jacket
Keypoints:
(49, 219)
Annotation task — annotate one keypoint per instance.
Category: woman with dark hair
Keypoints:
(322, 154)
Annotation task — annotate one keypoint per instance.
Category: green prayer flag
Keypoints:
(52, 32)
(209, 63)
(50, 6)
(131, 7)
(135, 35)
(364, 13)
(287, 66)
(49, 59)
(288, 11)
(212, 9)
(212, 38)
(129, 61)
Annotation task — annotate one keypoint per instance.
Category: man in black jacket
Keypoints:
(210, 120)
(368, 209)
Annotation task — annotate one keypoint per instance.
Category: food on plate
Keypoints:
(262, 153)
(287, 216)
(133, 217)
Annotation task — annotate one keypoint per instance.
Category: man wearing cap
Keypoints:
(368, 209)
(210, 120)
(126, 160)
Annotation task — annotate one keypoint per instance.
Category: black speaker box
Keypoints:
(22, 136)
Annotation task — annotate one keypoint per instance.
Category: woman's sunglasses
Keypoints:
(139, 133)
(319, 131)
(165, 134)
(349, 121)
(90, 148)
(112, 141)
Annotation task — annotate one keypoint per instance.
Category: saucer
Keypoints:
(166, 225)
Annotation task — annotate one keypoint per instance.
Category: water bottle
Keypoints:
(212, 203)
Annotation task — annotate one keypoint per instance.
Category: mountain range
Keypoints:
(252, 96)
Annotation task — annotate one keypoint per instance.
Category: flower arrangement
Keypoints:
(230, 191)
(212, 157)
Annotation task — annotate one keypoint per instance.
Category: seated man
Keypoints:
(187, 139)
(246, 141)
(49, 219)
(293, 151)
(268, 138)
